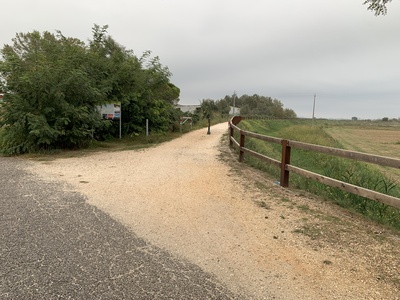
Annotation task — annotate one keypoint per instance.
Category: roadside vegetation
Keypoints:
(53, 86)
(127, 142)
(53, 89)
(365, 175)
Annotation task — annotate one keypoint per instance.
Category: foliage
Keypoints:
(141, 85)
(250, 106)
(208, 107)
(377, 6)
(260, 106)
(223, 106)
(53, 85)
(49, 98)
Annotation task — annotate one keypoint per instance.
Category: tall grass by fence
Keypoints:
(338, 173)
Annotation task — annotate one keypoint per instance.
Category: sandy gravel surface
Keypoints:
(54, 245)
(253, 235)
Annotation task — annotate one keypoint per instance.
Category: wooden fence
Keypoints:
(286, 167)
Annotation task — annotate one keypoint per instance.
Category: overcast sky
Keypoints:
(284, 49)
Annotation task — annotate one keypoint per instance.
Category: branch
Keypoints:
(377, 6)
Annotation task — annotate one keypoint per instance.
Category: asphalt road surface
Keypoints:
(53, 245)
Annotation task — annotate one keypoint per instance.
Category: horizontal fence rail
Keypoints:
(286, 167)
(369, 158)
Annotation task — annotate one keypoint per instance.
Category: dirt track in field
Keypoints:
(257, 238)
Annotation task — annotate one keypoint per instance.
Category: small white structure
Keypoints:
(188, 108)
(234, 111)
(110, 111)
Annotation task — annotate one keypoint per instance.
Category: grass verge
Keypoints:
(357, 173)
(131, 142)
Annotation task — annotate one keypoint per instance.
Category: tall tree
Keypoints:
(208, 107)
(50, 99)
(54, 84)
(263, 106)
(153, 98)
(223, 106)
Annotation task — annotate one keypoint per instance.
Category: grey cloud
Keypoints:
(286, 49)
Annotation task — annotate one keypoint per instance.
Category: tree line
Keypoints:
(254, 105)
(53, 86)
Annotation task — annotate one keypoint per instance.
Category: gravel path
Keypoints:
(53, 245)
(182, 197)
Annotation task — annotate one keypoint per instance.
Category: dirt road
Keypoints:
(258, 239)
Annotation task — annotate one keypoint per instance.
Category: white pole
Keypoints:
(147, 127)
(313, 111)
(120, 120)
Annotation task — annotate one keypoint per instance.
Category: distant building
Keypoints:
(188, 108)
(234, 111)
(193, 108)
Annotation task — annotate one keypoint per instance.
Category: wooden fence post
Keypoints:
(285, 161)
(241, 153)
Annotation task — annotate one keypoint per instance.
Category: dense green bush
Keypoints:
(53, 86)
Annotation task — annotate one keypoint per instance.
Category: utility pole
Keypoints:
(313, 111)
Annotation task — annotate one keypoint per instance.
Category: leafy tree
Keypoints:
(249, 105)
(53, 85)
(263, 106)
(289, 113)
(208, 107)
(50, 99)
(223, 106)
(377, 6)
(154, 98)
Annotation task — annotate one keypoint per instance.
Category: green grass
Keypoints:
(130, 142)
(357, 173)
(112, 145)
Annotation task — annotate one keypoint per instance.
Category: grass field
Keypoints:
(379, 138)
(383, 141)
(373, 139)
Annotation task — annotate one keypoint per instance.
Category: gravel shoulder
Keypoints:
(190, 197)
